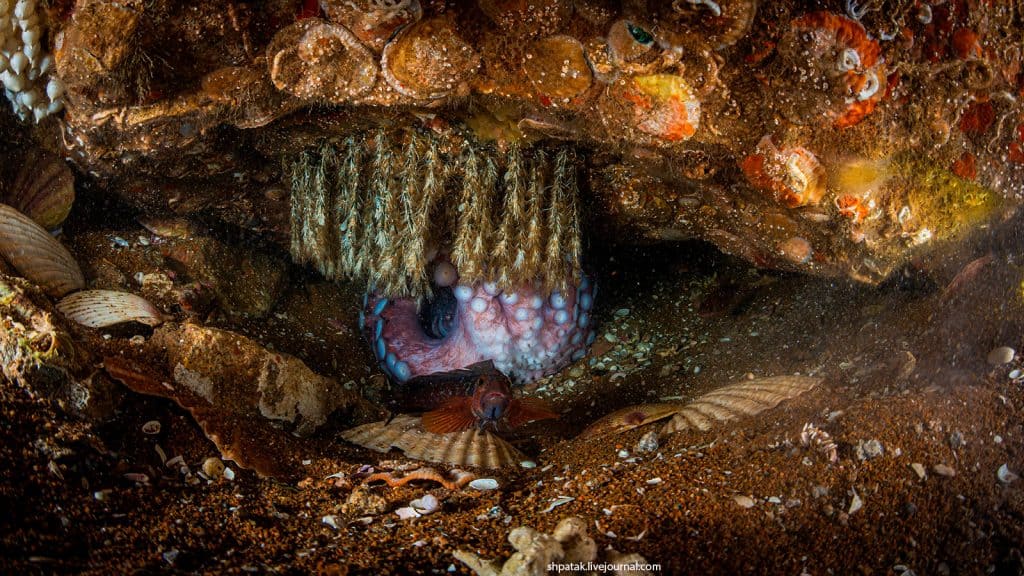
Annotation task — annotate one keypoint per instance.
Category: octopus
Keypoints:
(526, 334)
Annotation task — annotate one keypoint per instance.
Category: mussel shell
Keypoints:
(101, 308)
(471, 447)
(37, 255)
(43, 190)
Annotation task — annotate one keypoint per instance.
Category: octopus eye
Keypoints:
(849, 59)
(437, 316)
(639, 34)
(871, 86)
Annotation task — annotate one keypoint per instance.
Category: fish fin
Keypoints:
(452, 416)
(523, 410)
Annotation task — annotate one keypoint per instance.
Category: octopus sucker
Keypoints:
(463, 265)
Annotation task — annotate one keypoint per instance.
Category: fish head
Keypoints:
(491, 400)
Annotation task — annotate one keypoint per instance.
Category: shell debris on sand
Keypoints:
(472, 447)
(745, 398)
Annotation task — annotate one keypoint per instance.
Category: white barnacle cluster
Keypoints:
(25, 70)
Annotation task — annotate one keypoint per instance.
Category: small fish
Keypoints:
(478, 395)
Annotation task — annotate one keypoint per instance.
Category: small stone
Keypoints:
(213, 467)
(528, 464)
(918, 469)
(944, 470)
(654, 481)
(744, 501)
(1001, 355)
(623, 453)
(622, 312)
(647, 443)
(330, 520)
(869, 449)
(229, 474)
(1016, 374)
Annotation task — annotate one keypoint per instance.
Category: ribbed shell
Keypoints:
(36, 255)
(43, 190)
(631, 417)
(467, 448)
(741, 399)
(101, 308)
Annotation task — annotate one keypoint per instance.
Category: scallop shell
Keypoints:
(720, 24)
(745, 398)
(428, 60)
(43, 190)
(101, 308)
(315, 60)
(660, 108)
(36, 255)
(372, 21)
(557, 67)
(630, 417)
(740, 399)
(467, 448)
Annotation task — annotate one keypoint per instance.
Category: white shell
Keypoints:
(471, 447)
(101, 308)
(36, 255)
(484, 484)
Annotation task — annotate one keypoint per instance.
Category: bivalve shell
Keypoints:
(36, 255)
(428, 60)
(43, 190)
(315, 60)
(101, 308)
(740, 399)
(558, 68)
(471, 447)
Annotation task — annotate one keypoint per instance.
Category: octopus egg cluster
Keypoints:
(24, 68)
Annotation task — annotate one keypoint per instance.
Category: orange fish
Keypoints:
(478, 395)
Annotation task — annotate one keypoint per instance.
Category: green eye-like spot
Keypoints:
(639, 34)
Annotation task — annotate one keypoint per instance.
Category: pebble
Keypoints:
(656, 481)
(528, 464)
(918, 469)
(647, 443)
(229, 474)
(1004, 474)
(1001, 355)
(943, 470)
(744, 501)
(1016, 374)
(623, 453)
(213, 468)
(622, 312)
(869, 449)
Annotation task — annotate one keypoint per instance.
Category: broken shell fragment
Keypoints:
(36, 255)
(151, 427)
(558, 68)
(102, 308)
(484, 484)
(315, 60)
(43, 190)
(467, 448)
(428, 60)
